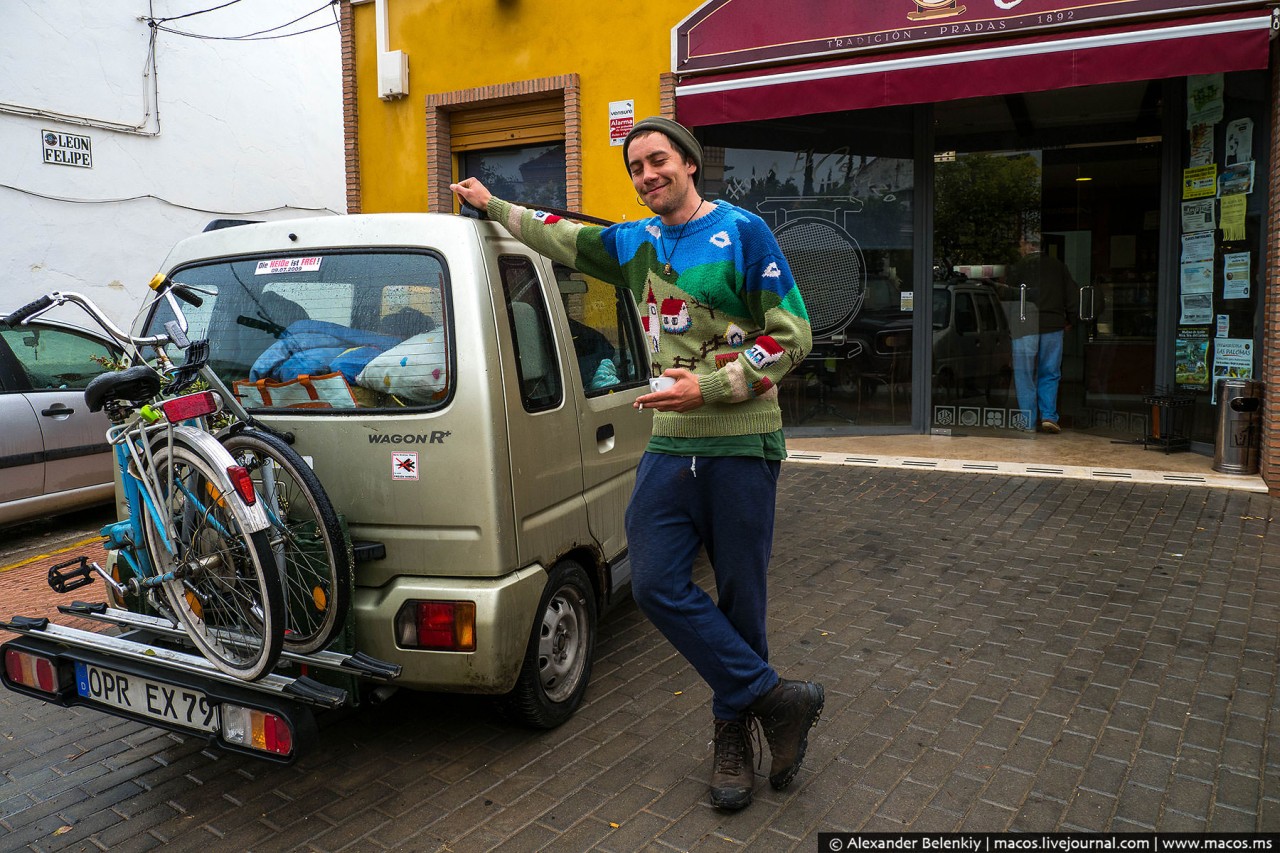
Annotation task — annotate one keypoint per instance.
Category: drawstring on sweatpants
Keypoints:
(693, 466)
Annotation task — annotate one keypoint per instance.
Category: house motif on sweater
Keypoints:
(675, 315)
(765, 352)
(652, 323)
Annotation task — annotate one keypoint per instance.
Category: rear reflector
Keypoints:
(254, 729)
(190, 406)
(243, 482)
(34, 671)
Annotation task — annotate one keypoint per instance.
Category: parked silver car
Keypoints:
(54, 456)
(972, 353)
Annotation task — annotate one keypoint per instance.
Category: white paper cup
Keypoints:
(662, 383)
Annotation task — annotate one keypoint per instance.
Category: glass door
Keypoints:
(838, 192)
(1046, 248)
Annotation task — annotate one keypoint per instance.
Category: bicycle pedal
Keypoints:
(64, 581)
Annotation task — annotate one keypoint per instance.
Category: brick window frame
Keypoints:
(439, 106)
(350, 109)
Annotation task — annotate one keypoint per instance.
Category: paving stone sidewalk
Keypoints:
(999, 654)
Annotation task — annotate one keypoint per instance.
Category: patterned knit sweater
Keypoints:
(730, 310)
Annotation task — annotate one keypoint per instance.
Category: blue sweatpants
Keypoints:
(725, 504)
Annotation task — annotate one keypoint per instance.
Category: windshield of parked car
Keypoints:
(326, 331)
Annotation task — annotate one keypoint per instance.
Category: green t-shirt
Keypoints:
(769, 445)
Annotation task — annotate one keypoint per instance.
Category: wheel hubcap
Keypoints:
(562, 644)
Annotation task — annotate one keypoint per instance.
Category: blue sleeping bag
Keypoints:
(314, 347)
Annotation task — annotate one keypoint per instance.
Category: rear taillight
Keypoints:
(34, 671)
(258, 730)
(243, 484)
(443, 626)
(191, 406)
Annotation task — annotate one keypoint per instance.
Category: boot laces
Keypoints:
(731, 737)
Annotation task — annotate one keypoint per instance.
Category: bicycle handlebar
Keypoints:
(186, 294)
(51, 300)
(28, 311)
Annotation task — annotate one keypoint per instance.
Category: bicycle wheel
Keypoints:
(226, 593)
(306, 538)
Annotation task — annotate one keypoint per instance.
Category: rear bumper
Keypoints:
(505, 609)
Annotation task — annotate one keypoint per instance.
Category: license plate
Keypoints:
(148, 699)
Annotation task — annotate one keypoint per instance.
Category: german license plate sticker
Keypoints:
(146, 698)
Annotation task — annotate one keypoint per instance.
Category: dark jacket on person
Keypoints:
(1050, 289)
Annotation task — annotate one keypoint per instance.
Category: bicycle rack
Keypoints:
(302, 687)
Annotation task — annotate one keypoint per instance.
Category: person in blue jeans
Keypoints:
(1040, 297)
(724, 322)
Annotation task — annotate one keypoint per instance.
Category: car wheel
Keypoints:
(557, 662)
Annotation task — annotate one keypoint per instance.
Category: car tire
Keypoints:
(557, 663)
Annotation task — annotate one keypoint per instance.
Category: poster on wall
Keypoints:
(1232, 359)
(1204, 99)
(1224, 326)
(1235, 275)
(1232, 212)
(1201, 153)
(1236, 179)
(1200, 181)
(1197, 308)
(1197, 247)
(1190, 354)
(1240, 141)
(1198, 215)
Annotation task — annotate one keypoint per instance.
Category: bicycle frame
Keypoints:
(134, 442)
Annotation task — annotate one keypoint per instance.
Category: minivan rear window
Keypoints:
(325, 331)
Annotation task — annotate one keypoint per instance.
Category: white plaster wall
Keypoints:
(246, 129)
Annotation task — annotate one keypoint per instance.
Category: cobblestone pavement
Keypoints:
(998, 653)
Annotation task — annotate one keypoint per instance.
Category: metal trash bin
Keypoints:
(1239, 437)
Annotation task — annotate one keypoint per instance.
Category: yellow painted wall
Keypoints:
(618, 50)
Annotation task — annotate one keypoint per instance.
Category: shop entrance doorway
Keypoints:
(1046, 253)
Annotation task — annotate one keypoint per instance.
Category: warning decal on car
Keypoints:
(404, 465)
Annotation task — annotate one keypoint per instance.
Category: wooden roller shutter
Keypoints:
(520, 123)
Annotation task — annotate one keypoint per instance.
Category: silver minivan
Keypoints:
(468, 407)
(972, 347)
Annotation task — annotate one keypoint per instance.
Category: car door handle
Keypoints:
(604, 438)
(58, 410)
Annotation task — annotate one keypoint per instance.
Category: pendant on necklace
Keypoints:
(667, 269)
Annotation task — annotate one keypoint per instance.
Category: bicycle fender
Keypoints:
(211, 449)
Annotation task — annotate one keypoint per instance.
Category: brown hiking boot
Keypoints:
(786, 713)
(732, 773)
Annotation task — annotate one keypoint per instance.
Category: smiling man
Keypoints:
(726, 322)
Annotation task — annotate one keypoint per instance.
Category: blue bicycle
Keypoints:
(197, 544)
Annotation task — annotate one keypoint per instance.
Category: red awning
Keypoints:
(1114, 55)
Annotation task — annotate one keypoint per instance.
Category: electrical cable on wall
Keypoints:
(150, 71)
(259, 35)
(150, 96)
(165, 201)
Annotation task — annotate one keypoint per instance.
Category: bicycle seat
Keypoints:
(137, 385)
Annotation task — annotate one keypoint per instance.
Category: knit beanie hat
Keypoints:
(679, 135)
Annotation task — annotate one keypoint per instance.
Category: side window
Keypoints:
(607, 341)
(58, 359)
(987, 312)
(535, 350)
(966, 316)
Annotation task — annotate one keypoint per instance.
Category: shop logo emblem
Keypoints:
(931, 9)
